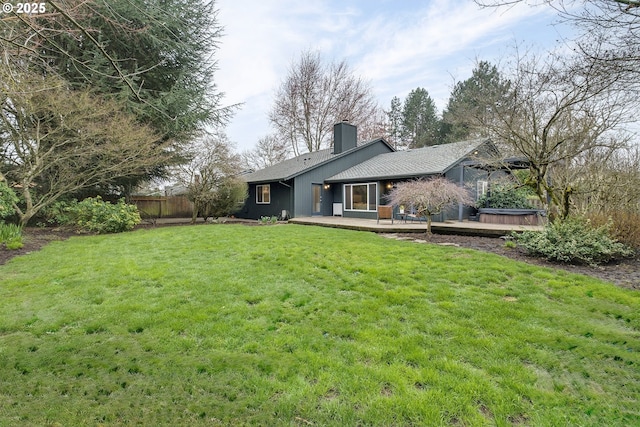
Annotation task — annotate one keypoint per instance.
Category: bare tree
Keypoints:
(608, 32)
(212, 178)
(558, 110)
(429, 196)
(608, 181)
(54, 141)
(376, 126)
(269, 150)
(313, 97)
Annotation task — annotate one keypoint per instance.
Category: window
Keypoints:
(360, 197)
(263, 194)
(481, 188)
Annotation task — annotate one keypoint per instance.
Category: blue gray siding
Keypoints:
(303, 184)
(281, 196)
(297, 197)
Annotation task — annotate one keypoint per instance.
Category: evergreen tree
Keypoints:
(154, 57)
(420, 122)
(472, 104)
(155, 54)
(394, 116)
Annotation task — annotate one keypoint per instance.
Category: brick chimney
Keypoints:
(345, 137)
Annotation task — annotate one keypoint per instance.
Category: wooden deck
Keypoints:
(469, 228)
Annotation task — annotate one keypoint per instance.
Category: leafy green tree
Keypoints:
(420, 122)
(163, 49)
(153, 56)
(472, 104)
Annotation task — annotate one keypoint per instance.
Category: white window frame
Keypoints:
(349, 207)
(260, 194)
(481, 188)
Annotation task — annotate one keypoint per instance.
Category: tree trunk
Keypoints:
(25, 216)
(194, 214)
(566, 202)
(29, 210)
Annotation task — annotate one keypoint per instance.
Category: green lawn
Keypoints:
(294, 325)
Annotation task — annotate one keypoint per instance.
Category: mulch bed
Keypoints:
(624, 273)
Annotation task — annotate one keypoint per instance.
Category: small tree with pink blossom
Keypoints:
(429, 196)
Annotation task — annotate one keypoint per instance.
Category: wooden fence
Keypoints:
(163, 207)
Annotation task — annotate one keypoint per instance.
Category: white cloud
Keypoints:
(397, 45)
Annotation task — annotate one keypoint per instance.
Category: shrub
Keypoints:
(506, 196)
(573, 240)
(7, 199)
(98, 216)
(625, 225)
(265, 220)
(11, 236)
(59, 213)
(14, 244)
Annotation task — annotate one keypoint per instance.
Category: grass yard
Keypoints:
(298, 326)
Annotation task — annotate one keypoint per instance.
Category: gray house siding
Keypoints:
(373, 162)
(303, 194)
(281, 196)
(382, 190)
(297, 195)
(470, 178)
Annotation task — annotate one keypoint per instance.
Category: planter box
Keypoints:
(511, 216)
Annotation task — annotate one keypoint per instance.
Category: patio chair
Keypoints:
(413, 216)
(385, 212)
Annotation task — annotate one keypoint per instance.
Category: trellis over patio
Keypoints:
(468, 228)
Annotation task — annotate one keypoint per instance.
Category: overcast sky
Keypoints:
(398, 45)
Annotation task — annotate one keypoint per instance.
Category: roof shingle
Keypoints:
(436, 159)
(293, 167)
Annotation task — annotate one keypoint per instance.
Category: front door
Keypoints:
(317, 199)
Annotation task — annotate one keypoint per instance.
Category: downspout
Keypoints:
(460, 207)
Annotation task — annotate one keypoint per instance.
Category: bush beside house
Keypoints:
(574, 240)
(505, 196)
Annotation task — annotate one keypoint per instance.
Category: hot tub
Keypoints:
(511, 216)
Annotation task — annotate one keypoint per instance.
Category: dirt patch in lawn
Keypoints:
(624, 273)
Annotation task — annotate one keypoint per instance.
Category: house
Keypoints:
(297, 188)
(352, 179)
